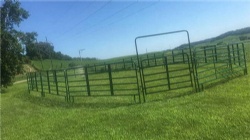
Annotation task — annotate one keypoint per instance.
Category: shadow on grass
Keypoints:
(172, 94)
(169, 95)
(88, 102)
(110, 102)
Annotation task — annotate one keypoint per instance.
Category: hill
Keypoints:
(225, 38)
(228, 37)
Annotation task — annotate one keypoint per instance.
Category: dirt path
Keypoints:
(26, 68)
(18, 82)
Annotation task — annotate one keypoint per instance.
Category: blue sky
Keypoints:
(107, 29)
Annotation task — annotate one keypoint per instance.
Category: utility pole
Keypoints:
(49, 53)
(80, 53)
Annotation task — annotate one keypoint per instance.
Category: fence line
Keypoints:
(159, 73)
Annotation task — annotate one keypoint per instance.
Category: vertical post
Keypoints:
(167, 71)
(196, 77)
(32, 81)
(244, 57)
(42, 92)
(229, 58)
(55, 77)
(148, 59)
(190, 71)
(137, 81)
(238, 54)
(173, 55)
(48, 81)
(36, 82)
(216, 55)
(183, 57)
(110, 80)
(28, 82)
(143, 79)
(155, 59)
(87, 80)
(214, 61)
(233, 53)
(205, 54)
(132, 63)
(66, 85)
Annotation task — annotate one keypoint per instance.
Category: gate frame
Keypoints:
(161, 34)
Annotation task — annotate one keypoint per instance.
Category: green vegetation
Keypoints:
(11, 59)
(219, 112)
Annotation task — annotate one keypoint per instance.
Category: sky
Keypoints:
(107, 29)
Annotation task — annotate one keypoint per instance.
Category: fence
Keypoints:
(145, 75)
(216, 63)
(116, 79)
(163, 74)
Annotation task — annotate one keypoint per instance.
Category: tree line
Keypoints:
(17, 46)
(40, 50)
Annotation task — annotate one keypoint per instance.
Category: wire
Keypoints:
(86, 18)
(129, 15)
(119, 11)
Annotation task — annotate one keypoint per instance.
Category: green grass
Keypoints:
(220, 112)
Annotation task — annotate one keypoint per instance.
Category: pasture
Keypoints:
(154, 74)
(221, 111)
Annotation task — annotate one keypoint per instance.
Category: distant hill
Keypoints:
(228, 37)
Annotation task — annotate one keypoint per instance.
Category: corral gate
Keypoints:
(160, 75)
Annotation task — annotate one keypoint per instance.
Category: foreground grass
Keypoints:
(220, 112)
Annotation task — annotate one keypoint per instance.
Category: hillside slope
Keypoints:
(228, 37)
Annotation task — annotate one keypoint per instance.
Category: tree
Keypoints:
(29, 40)
(11, 50)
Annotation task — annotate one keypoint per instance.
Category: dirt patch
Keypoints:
(22, 81)
(28, 68)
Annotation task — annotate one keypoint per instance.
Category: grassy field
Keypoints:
(219, 112)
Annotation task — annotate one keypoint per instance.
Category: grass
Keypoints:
(219, 112)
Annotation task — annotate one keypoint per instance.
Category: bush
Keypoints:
(72, 64)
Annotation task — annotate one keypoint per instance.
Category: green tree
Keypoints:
(29, 41)
(11, 50)
(45, 49)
